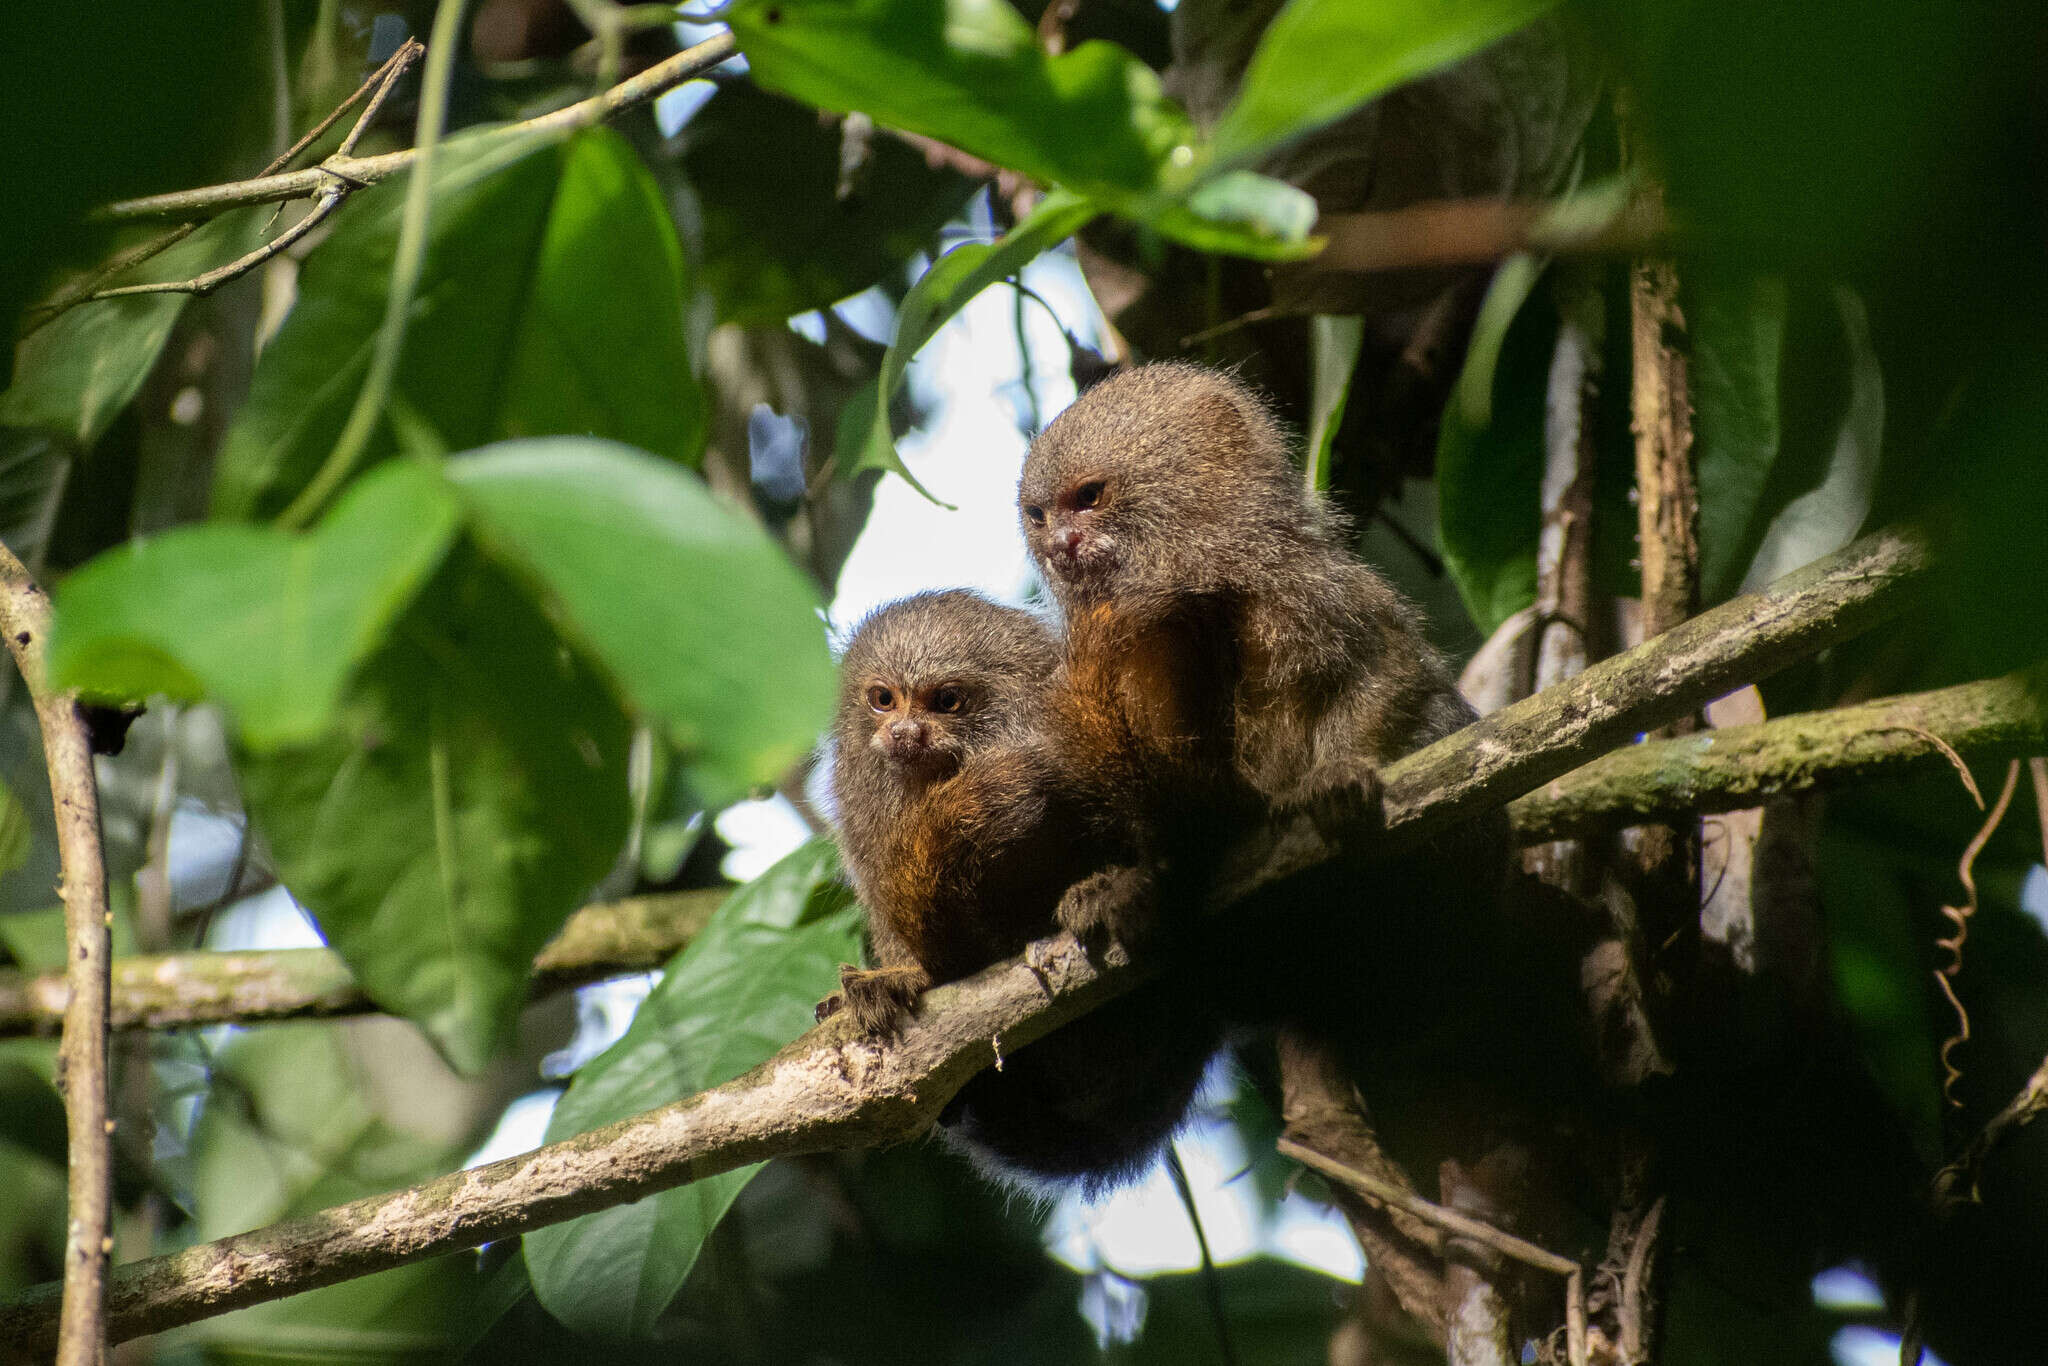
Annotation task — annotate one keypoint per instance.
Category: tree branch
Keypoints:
(360, 171)
(167, 991)
(1725, 770)
(1546, 736)
(829, 1090)
(82, 1056)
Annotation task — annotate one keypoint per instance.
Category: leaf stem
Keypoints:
(406, 262)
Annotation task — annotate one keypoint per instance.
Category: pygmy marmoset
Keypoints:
(961, 836)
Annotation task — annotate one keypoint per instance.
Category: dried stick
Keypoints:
(82, 1056)
(1322, 1114)
(830, 1091)
(1449, 1220)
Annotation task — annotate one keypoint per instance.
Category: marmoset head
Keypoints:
(931, 679)
(1169, 476)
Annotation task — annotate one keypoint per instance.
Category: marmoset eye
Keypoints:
(1088, 495)
(880, 698)
(948, 700)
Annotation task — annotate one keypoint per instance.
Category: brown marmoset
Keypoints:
(961, 835)
(1228, 660)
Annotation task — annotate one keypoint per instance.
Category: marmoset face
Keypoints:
(919, 725)
(1072, 527)
(929, 680)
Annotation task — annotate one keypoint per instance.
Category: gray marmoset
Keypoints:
(961, 835)
(1228, 660)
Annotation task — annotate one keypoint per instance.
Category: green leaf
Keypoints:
(1834, 453)
(1239, 213)
(1789, 413)
(742, 989)
(1737, 330)
(1320, 59)
(552, 300)
(471, 794)
(778, 239)
(953, 280)
(703, 623)
(266, 622)
(1489, 454)
(971, 73)
(1333, 344)
(74, 375)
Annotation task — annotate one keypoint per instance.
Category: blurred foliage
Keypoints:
(744, 987)
(566, 611)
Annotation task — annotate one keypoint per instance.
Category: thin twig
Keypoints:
(1212, 1281)
(383, 80)
(1575, 1317)
(1449, 1220)
(82, 1056)
(205, 283)
(360, 171)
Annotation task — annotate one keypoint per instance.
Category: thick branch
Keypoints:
(360, 171)
(1548, 735)
(1725, 770)
(88, 949)
(171, 990)
(827, 1091)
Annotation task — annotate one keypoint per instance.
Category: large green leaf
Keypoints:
(1320, 59)
(953, 280)
(73, 375)
(1489, 454)
(972, 74)
(778, 239)
(1737, 330)
(471, 794)
(266, 622)
(704, 624)
(743, 988)
(552, 300)
(1789, 415)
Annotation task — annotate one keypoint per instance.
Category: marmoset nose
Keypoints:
(905, 735)
(1066, 542)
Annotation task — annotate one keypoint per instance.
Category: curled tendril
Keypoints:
(1959, 916)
